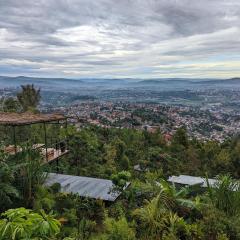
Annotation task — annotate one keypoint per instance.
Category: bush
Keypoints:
(118, 229)
(22, 223)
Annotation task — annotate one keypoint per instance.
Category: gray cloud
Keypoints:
(111, 38)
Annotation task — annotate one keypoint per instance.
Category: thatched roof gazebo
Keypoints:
(13, 120)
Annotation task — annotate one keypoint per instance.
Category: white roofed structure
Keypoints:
(187, 180)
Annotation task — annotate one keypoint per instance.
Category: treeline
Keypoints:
(104, 151)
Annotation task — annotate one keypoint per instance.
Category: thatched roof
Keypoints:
(28, 118)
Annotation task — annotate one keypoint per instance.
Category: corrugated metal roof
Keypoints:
(212, 182)
(191, 180)
(85, 186)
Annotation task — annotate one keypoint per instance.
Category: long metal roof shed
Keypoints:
(85, 186)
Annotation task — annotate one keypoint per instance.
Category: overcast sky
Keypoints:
(120, 38)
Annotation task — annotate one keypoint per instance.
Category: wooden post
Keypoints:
(45, 136)
(58, 137)
(66, 129)
(14, 139)
(58, 146)
(57, 166)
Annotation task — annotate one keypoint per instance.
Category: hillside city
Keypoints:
(212, 124)
(206, 114)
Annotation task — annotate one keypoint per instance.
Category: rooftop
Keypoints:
(191, 180)
(26, 118)
(85, 186)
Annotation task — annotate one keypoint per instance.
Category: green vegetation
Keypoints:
(22, 223)
(150, 208)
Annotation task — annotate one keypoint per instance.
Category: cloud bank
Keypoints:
(127, 38)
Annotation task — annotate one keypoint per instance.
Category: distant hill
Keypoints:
(190, 81)
(164, 81)
(98, 84)
(35, 79)
(220, 81)
(123, 80)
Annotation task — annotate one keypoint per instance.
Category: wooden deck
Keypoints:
(12, 151)
(57, 153)
(49, 154)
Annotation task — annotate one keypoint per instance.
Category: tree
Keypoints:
(192, 164)
(117, 230)
(160, 217)
(83, 149)
(235, 156)
(120, 179)
(176, 200)
(109, 156)
(29, 98)
(223, 161)
(7, 191)
(11, 105)
(180, 137)
(44, 198)
(121, 157)
(31, 173)
(151, 219)
(225, 195)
